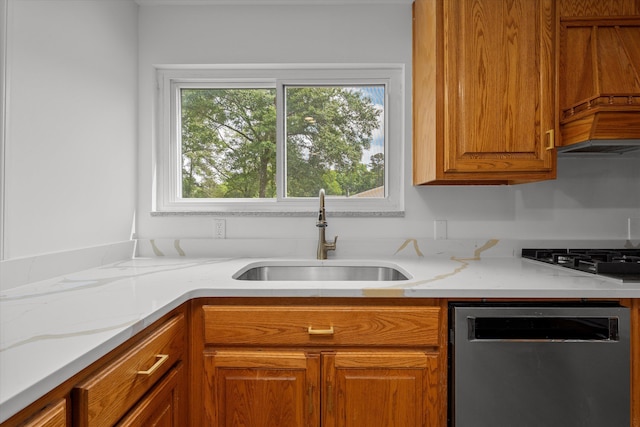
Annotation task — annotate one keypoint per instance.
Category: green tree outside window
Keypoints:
(334, 140)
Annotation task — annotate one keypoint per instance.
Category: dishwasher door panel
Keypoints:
(540, 366)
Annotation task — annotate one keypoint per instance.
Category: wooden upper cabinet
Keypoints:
(483, 91)
(598, 75)
(598, 8)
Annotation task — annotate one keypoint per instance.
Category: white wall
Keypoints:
(71, 124)
(592, 198)
(3, 68)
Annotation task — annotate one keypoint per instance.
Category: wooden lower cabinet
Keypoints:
(103, 398)
(321, 366)
(380, 389)
(143, 382)
(163, 406)
(262, 389)
(51, 416)
(328, 389)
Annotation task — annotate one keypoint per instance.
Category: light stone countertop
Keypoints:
(52, 329)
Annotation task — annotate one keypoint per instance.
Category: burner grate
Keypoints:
(618, 263)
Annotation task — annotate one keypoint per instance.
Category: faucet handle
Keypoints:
(332, 246)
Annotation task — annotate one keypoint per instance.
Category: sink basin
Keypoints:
(319, 272)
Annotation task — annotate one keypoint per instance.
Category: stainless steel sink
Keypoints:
(321, 272)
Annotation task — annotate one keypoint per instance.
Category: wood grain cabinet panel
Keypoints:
(321, 326)
(102, 399)
(599, 77)
(54, 415)
(598, 8)
(329, 366)
(262, 389)
(484, 106)
(355, 389)
(162, 406)
(380, 389)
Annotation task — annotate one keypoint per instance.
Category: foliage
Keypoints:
(229, 142)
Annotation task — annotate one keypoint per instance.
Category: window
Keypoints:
(227, 142)
(266, 139)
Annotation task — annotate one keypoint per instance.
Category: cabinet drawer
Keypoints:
(108, 394)
(161, 406)
(52, 416)
(321, 326)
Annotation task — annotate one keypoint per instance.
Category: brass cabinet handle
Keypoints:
(161, 359)
(320, 331)
(552, 143)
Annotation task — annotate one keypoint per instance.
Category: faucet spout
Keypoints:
(323, 246)
(322, 215)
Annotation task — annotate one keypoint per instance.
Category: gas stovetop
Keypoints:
(620, 264)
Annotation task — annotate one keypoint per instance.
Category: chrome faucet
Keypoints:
(323, 246)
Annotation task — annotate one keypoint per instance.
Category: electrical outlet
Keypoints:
(440, 229)
(219, 229)
(633, 228)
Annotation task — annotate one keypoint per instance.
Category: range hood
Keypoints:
(601, 146)
(599, 85)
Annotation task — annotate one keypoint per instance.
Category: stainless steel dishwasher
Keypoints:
(539, 365)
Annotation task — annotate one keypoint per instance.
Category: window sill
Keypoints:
(335, 214)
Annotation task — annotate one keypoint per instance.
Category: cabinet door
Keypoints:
(499, 83)
(381, 389)
(484, 91)
(262, 389)
(161, 407)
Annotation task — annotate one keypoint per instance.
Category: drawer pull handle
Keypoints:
(551, 141)
(161, 359)
(320, 331)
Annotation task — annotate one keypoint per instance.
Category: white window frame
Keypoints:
(168, 163)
